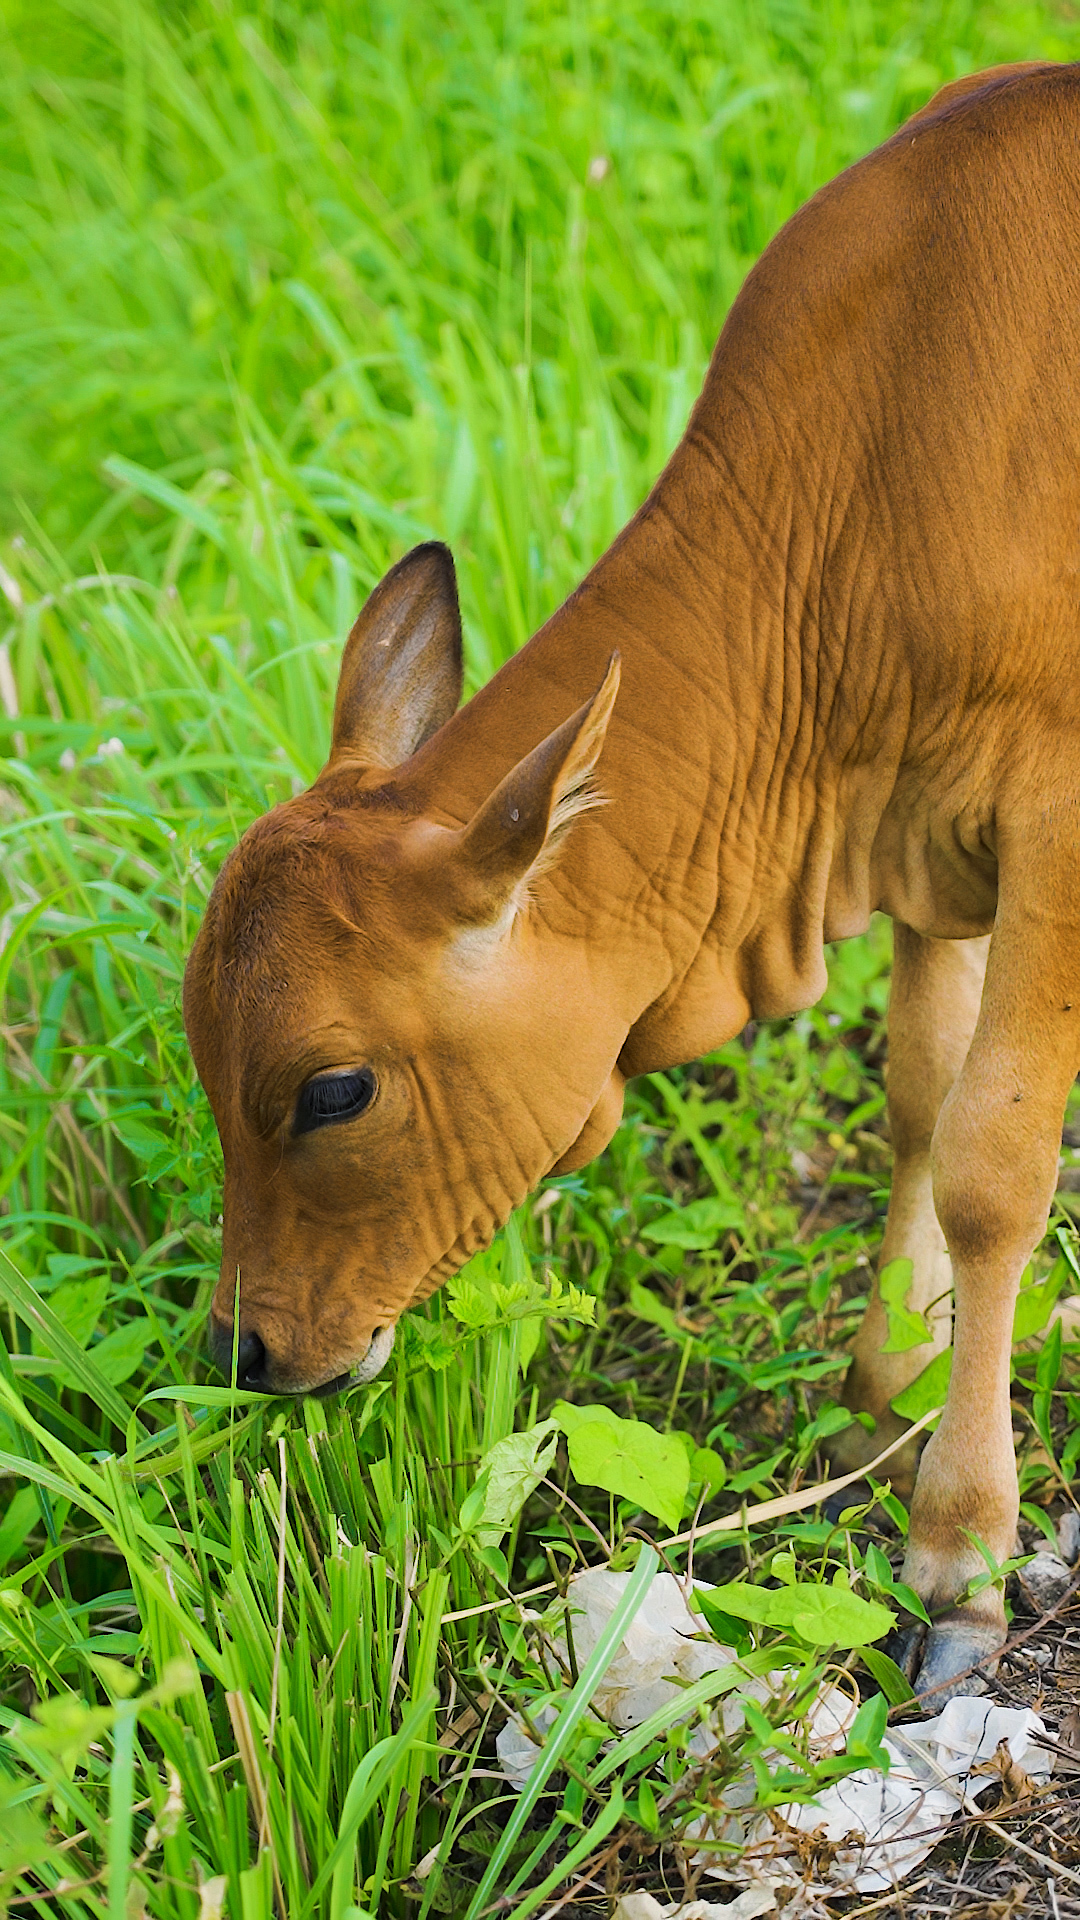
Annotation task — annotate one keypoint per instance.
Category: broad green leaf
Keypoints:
(645, 1811)
(727, 1628)
(1069, 1248)
(1035, 1304)
(25, 1840)
(697, 1226)
(470, 1304)
(1048, 1366)
(528, 1341)
(830, 1421)
(927, 1390)
(57, 1341)
(569, 1418)
(508, 1473)
(876, 1566)
(66, 1266)
(21, 1515)
(759, 1474)
(1047, 1370)
(707, 1467)
(121, 1352)
(822, 1616)
(494, 1559)
(470, 1293)
(833, 1616)
(434, 1343)
(657, 1312)
(864, 1735)
(481, 1297)
(626, 1458)
(78, 1305)
(1036, 1518)
(879, 1574)
(114, 1676)
(907, 1328)
(147, 1146)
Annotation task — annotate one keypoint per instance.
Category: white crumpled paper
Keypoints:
(516, 1748)
(746, 1906)
(889, 1822)
(660, 1649)
(876, 1827)
(661, 1653)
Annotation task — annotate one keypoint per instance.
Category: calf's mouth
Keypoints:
(373, 1362)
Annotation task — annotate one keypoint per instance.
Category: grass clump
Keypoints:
(284, 289)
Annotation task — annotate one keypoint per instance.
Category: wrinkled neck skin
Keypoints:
(822, 698)
(702, 892)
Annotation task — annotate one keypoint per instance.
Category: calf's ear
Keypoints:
(401, 670)
(518, 829)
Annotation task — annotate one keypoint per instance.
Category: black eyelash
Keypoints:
(333, 1097)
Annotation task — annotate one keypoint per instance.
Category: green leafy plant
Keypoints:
(285, 290)
(821, 1615)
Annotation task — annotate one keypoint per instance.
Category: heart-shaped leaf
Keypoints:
(822, 1616)
(626, 1458)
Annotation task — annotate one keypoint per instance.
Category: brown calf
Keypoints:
(848, 622)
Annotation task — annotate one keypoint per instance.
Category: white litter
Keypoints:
(881, 1826)
(970, 1730)
(516, 1748)
(885, 1824)
(664, 1649)
(747, 1906)
(863, 1834)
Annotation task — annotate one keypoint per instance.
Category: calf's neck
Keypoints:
(831, 666)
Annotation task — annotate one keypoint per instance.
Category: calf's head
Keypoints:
(373, 1012)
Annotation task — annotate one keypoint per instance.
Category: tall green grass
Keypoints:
(282, 290)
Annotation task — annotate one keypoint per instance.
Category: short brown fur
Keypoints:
(848, 619)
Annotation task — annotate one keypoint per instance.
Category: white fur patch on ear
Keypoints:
(574, 801)
(516, 834)
(570, 805)
(476, 944)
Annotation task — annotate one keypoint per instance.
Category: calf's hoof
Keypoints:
(938, 1659)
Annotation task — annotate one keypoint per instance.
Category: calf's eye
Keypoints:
(333, 1097)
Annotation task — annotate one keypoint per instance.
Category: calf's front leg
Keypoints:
(994, 1160)
(933, 1008)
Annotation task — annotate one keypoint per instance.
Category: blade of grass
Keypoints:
(559, 1739)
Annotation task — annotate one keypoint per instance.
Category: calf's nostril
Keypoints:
(250, 1356)
(250, 1363)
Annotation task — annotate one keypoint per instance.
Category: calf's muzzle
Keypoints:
(254, 1370)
